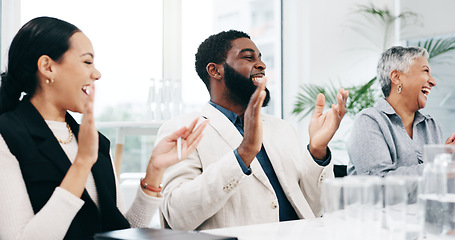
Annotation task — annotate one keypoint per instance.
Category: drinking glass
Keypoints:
(333, 207)
(438, 199)
(363, 206)
(438, 153)
(395, 201)
(406, 206)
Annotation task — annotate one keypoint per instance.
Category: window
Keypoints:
(260, 19)
(145, 52)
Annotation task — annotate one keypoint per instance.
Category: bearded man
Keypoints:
(249, 168)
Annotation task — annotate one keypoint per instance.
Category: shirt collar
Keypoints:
(385, 107)
(230, 115)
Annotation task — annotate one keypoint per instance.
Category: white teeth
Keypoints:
(257, 79)
(86, 90)
(426, 91)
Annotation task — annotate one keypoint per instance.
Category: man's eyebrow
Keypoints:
(249, 50)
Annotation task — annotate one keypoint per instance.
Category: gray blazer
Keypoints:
(380, 145)
(209, 189)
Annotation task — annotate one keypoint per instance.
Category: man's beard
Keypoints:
(241, 88)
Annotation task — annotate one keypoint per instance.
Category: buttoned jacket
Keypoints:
(209, 189)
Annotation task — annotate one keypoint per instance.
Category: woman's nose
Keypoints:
(96, 74)
(432, 81)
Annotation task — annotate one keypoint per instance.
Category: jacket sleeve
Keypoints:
(17, 219)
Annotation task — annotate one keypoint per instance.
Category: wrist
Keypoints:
(246, 156)
(317, 152)
(149, 189)
(83, 164)
(153, 176)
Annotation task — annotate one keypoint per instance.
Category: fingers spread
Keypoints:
(198, 131)
(341, 106)
(190, 128)
(173, 136)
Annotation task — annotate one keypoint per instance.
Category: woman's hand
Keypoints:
(165, 153)
(87, 152)
(451, 140)
(88, 135)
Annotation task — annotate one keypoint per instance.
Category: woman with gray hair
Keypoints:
(388, 138)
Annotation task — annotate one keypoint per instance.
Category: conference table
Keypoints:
(298, 229)
(317, 229)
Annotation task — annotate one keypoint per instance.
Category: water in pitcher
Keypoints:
(439, 211)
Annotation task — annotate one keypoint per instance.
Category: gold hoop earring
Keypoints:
(399, 87)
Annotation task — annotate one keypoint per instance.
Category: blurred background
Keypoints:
(145, 52)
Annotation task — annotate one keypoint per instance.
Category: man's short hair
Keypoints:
(214, 49)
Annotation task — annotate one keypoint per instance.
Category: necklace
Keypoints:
(70, 137)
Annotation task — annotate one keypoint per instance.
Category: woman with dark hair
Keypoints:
(388, 139)
(57, 179)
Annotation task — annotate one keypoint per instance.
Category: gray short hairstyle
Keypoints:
(399, 58)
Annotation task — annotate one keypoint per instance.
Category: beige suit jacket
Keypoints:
(209, 189)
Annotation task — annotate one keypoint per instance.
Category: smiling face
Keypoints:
(74, 73)
(243, 70)
(417, 83)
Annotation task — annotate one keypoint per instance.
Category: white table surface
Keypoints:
(299, 229)
(318, 229)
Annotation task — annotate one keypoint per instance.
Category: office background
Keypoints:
(145, 51)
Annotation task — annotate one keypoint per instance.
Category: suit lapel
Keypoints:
(222, 125)
(45, 139)
(302, 208)
(273, 154)
(229, 133)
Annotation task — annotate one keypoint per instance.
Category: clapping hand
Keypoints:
(252, 139)
(87, 153)
(323, 126)
(88, 135)
(165, 153)
(451, 140)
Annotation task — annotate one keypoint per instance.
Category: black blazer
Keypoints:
(43, 165)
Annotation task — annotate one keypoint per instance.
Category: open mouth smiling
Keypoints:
(86, 89)
(426, 91)
(257, 78)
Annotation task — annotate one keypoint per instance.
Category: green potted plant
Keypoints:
(365, 95)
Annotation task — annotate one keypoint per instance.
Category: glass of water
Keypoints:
(438, 199)
(438, 153)
(395, 201)
(404, 215)
(333, 207)
(363, 206)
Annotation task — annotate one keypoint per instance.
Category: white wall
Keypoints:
(437, 17)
